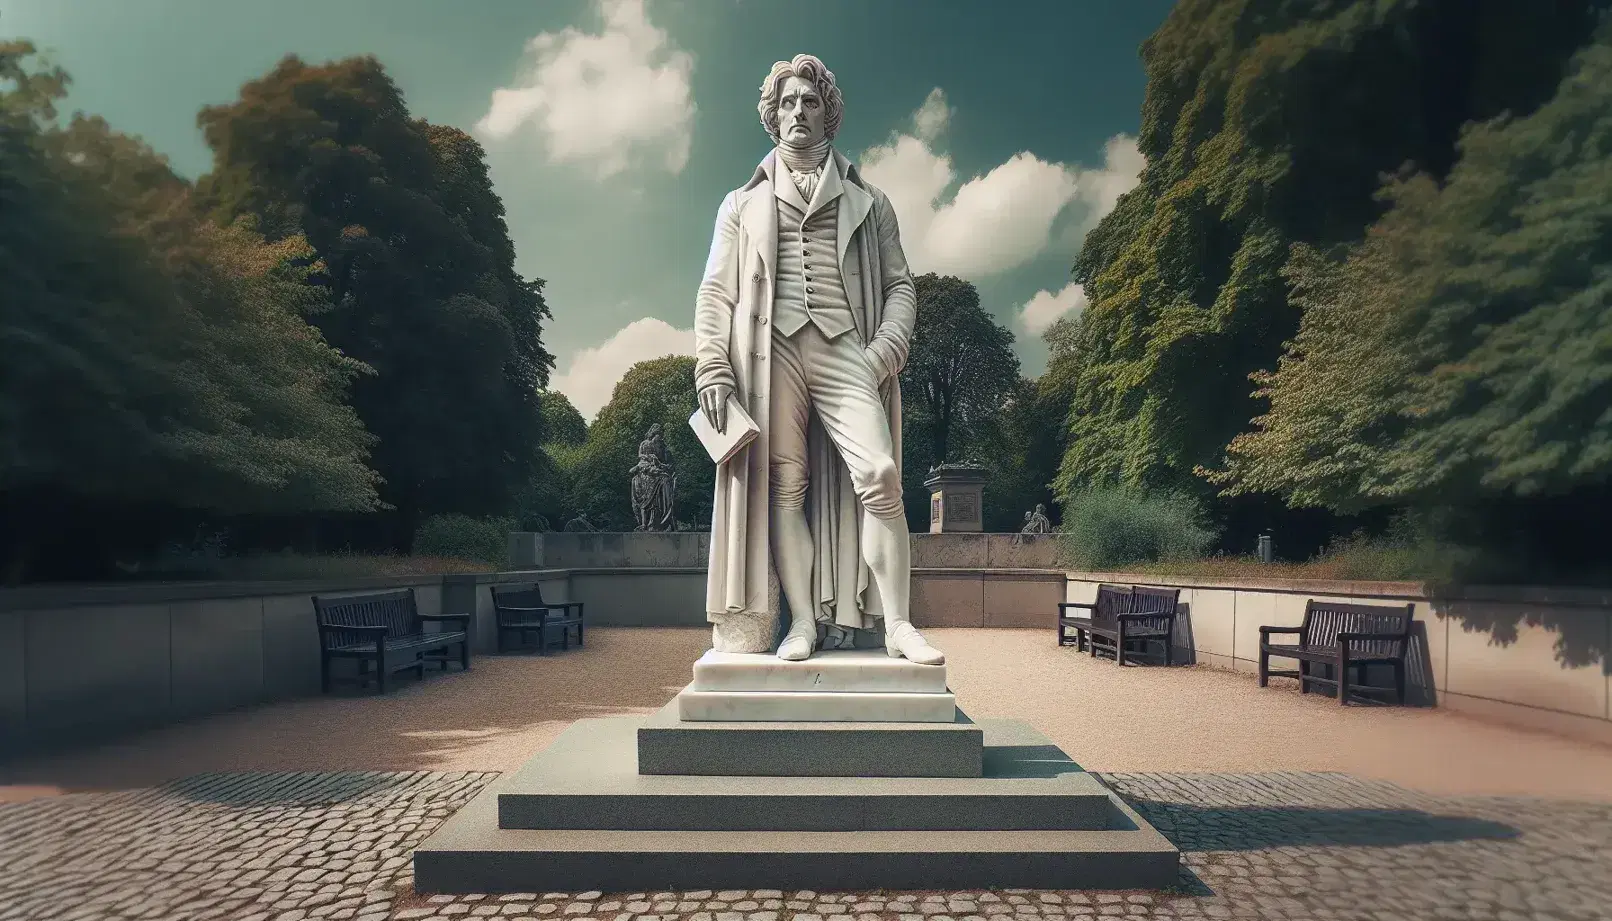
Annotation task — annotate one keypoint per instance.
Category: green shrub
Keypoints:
(1112, 528)
(1417, 547)
(461, 537)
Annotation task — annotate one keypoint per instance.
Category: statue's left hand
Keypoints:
(881, 371)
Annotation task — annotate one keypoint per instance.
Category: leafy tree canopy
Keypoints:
(1268, 123)
(419, 265)
(149, 355)
(562, 424)
(1463, 350)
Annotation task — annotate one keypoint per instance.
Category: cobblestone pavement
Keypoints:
(1298, 846)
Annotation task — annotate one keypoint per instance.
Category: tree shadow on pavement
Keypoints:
(1251, 828)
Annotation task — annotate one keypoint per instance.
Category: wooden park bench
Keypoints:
(1121, 616)
(1108, 596)
(1344, 636)
(386, 629)
(520, 609)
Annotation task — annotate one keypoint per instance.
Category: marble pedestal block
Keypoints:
(827, 671)
(833, 686)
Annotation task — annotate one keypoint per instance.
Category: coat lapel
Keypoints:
(855, 204)
(760, 214)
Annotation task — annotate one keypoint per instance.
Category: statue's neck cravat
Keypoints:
(805, 165)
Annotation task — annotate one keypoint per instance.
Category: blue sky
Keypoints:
(1001, 129)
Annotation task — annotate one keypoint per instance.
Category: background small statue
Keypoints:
(580, 523)
(1037, 522)
(654, 484)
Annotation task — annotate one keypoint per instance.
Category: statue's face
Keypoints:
(800, 113)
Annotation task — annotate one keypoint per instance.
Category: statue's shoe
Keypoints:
(798, 644)
(904, 641)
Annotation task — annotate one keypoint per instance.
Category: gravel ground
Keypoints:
(1133, 719)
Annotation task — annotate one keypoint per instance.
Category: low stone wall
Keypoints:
(80, 665)
(599, 549)
(1532, 657)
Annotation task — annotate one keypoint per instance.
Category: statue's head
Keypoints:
(654, 430)
(1040, 509)
(800, 104)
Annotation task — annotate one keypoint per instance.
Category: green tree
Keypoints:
(961, 372)
(961, 368)
(562, 424)
(661, 391)
(1459, 356)
(420, 268)
(546, 502)
(1268, 123)
(151, 359)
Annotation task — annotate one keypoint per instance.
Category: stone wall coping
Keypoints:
(45, 597)
(1409, 591)
(507, 575)
(1049, 574)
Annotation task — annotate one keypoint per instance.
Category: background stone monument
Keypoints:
(956, 498)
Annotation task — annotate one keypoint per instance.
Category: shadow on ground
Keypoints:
(287, 788)
(1252, 828)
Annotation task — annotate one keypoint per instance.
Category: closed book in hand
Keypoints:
(739, 431)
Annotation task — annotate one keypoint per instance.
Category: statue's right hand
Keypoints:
(714, 403)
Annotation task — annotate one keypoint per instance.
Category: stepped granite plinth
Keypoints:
(810, 800)
(668, 744)
(1034, 819)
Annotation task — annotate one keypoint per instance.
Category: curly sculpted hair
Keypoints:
(806, 67)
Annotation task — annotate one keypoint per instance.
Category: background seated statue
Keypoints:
(654, 483)
(1037, 522)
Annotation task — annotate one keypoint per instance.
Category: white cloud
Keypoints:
(1101, 188)
(592, 374)
(602, 100)
(1046, 308)
(993, 222)
(932, 117)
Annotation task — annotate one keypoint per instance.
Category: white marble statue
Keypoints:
(803, 318)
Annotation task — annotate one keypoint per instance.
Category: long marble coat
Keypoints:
(733, 344)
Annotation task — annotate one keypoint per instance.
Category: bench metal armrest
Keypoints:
(1088, 605)
(1267, 631)
(524, 609)
(564, 605)
(377, 629)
